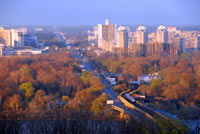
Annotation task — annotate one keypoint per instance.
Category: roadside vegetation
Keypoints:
(176, 89)
(51, 94)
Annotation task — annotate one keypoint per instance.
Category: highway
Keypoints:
(89, 67)
(139, 107)
(109, 90)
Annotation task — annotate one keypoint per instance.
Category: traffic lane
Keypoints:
(109, 89)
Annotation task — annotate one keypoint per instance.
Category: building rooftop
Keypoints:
(141, 28)
(107, 22)
(162, 27)
(121, 28)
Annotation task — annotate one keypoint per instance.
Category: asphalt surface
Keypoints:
(109, 89)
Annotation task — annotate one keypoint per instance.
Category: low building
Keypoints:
(24, 51)
(70, 41)
(82, 66)
(111, 80)
(147, 78)
(2, 49)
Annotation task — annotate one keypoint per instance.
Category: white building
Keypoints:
(198, 42)
(106, 34)
(111, 80)
(141, 35)
(122, 37)
(2, 48)
(162, 35)
(12, 37)
(147, 78)
(24, 51)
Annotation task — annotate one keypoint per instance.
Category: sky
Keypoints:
(92, 12)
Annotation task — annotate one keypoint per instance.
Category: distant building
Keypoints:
(198, 42)
(177, 46)
(106, 34)
(190, 40)
(111, 80)
(141, 35)
(2, 48)
(21, 36)
(122, 37)
(70, 41)
(151, 37)
(7, 37)
(24, 51)
(95, 31)
(30, 40)
(93, 36)
(176, 42)
(162, 35)
(12, 37)
(136, 50)
(147, 78)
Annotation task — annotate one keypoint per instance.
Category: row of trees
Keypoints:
(43, 83)
(178, 79)
(50, 94)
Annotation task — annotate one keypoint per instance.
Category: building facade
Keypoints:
(162, 35)
(141, 35)
(122, 37)
(198, 42)
(106, 33)
(12, 37)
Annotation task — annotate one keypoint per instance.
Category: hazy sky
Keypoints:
(92, 12)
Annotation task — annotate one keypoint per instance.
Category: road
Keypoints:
(114, 96)
(109, 89)
(88, 67)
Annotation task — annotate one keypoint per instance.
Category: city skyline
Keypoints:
(88, 12)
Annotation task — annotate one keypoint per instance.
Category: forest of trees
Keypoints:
(178, 81)
(38, 84)
(51, 94)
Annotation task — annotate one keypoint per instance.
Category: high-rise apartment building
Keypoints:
(198, 42)
(12, 37)
(162, 35)
(190, 40)
(175, 41)
(122, 37)
(21, 36)
(141, 35)
(106, 33)
(6, 37)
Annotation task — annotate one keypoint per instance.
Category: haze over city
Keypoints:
(99, 67)
(92, 12)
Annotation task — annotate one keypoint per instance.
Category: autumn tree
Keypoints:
(13, 103)
(39, 102)
(98, 105)
(27, 90)
(65, 98)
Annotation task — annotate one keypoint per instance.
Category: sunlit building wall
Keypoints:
(106, 33)
(12, 37)
(122, 37)
(141, 35)
(162, 35)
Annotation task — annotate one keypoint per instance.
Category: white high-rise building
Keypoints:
(12, 37)
(162, 35)
(8, 37)
(122, 37)
(141, 35)
(198, 42)
(107, 22)
(106, 34)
